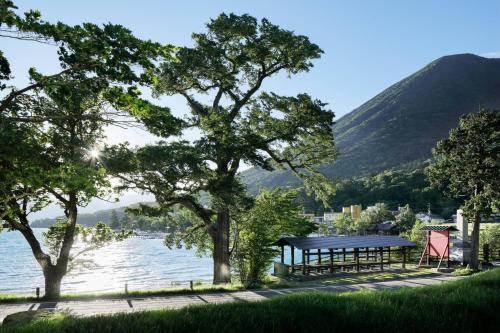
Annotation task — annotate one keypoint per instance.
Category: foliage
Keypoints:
(87, 239)
(229, 64)
(345, 224)
(444, 307)
(323, 229)
(416, 235)
(405, 219)
(186, 229)
(376, 214)
(274, 214)
(467, 164)
(463, 272)
(49, 128)
(392, 187)
(114, 222)
(490, 235)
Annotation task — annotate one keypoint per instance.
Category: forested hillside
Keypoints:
(404, 122)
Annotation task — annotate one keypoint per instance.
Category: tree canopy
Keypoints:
(50, 129)
(467, 164)
(237, 125)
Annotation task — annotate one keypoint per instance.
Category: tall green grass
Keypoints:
(468, 305)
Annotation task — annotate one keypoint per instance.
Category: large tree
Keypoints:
(220, 78)
(49, 128)
(468, 164)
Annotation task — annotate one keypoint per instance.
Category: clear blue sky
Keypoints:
(368, 45)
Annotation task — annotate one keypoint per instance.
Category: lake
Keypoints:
(144, 264)
(141, 263)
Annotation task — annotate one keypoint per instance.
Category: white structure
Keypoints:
(331, 216)
(463, 227)
(429, 217)
(460, 250)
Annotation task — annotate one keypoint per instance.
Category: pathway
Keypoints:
(108, 306)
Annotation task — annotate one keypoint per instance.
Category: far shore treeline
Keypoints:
(395, 188)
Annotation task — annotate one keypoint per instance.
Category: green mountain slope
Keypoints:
(401, 125)
(86, 219)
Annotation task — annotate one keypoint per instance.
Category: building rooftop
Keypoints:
(434, 227)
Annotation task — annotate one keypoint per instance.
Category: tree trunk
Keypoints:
(220, 237)
(53, 277)
(474, 250)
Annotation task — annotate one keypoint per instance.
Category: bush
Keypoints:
(491, 235)
(274, 214)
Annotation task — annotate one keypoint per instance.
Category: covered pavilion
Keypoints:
(342, 252)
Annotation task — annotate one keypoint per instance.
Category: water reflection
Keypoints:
(141, 263)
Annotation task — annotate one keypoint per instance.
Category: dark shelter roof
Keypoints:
(343, 242)
(381, 227)
(435, 227)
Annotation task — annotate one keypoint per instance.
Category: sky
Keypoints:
(368, 45)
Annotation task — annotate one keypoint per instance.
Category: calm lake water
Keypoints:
(142, 263)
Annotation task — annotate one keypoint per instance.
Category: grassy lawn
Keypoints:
(272, 283)
(203, 288)
(468, 305)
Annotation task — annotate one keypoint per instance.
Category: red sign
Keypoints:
(438, 243)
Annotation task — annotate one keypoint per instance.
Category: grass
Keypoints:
(271, 283)
(469, 305)
(133, 293)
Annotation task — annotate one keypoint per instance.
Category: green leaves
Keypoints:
(228, 63)
(274, 214)
(87, 238)
(467, 163)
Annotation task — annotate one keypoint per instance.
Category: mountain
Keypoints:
(402, 124)
(86, 219)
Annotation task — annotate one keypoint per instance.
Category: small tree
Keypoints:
(491, 235)
(376, 214)
(405, 219)
(416, 235)
(467, 164)
(345, 224)
(274, 214)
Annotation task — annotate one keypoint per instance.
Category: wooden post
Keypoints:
(331, 260)
(389, 256)
(428, 248)
(319, 256)
(381, 249)
(293, 257)
(282, 254)
(367, 256)
(404, 257)
(356, 256)
(308, 256)
(343, 259)
(423, 253)
(303, 262)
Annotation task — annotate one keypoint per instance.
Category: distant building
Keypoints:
(354, 211)
(430, 217)
(318, 219)
(331, 216)
(307, 216)
(385, 228)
